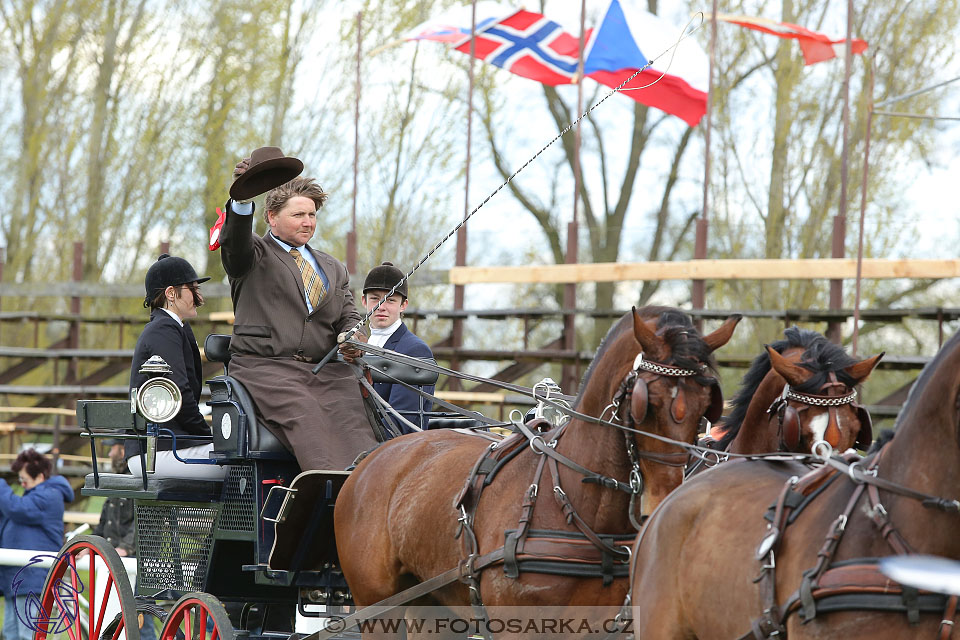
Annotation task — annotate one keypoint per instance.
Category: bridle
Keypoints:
(630, 405)
(789, 417)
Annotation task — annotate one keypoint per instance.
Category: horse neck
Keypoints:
(925, 456)
(601, 449)
(755, 434)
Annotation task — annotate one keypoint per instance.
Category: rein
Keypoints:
(698, 451)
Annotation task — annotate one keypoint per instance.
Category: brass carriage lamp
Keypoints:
(158, 400)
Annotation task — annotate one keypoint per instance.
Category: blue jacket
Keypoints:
(406, 402)
(32, 521)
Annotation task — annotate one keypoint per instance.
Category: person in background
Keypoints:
(388, 331)
(117, 515)
(173, 295)
(31, 521)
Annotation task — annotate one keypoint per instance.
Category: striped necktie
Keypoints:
(312, 282)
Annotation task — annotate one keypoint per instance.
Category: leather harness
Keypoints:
(854, 585)
(583, 553)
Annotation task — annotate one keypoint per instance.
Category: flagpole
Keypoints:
(863, 211)
(568, 378)
(352, 235)
(840, 220)
(698, 295)
(461, 254)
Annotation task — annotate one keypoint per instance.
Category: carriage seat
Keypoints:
(237, 434)
(124, 485)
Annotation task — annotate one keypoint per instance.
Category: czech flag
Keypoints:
(677, 82)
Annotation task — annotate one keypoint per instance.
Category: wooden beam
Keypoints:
(804, 269)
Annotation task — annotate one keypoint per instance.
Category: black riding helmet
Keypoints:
(168, 271)
(384, 278)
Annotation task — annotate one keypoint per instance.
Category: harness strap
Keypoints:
(407, 595)
(949, 613)
(878, 514)
(514, 539)
(540, 446)
(620, 553)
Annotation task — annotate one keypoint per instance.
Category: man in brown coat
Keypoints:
(290, 302)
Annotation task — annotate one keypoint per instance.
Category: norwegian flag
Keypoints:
(529, 45)
(522, 42)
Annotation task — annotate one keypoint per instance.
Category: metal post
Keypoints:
(698, 294)
(840, 220)
(74, 335)
(863, 211)
(352, 234)
(568, 376)
(461, 255)
(3, 258)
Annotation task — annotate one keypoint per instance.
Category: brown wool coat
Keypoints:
(275, 344)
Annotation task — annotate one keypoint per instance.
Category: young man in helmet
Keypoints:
(388, 331)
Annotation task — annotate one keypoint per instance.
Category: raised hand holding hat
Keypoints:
(266, 168)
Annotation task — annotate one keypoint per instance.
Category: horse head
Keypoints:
(660, 378)
(800, 391)
(816, 406)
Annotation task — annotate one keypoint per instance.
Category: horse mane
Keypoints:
(820, 357)
(687, 348)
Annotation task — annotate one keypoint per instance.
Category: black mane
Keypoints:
(820, 356)
(687, 348)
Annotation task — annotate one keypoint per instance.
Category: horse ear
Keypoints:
(644, 333)
(792, 373)
(722, 335)
(861, 370)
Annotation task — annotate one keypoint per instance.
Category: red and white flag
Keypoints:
(816, 46)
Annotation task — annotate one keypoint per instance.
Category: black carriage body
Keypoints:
(208, 535)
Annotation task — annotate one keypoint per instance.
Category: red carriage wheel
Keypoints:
(86, 595)
(197, 616)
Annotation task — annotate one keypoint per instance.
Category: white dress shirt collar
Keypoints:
(379, 337)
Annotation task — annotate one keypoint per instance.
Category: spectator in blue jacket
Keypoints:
(388, 331)
(31, 521)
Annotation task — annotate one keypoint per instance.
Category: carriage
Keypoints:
(242, 555)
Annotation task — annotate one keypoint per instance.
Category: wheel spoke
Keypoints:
(103, 606)
(94, 632)
(186, 624)
(116, 632)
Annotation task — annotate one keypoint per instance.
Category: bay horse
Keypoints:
(800, 391)
(413, 508)
(756, 549)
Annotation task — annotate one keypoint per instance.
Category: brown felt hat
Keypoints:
(269, 169)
